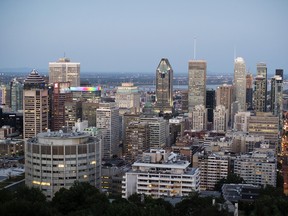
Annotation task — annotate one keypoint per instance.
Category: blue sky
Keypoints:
(132, 36)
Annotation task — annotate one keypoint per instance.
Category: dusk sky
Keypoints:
(132, 36)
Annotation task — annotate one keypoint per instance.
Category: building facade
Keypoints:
(159, 174)
(107, 120)
(55, 159)
(220, 123)
(35, 105)
(199, 118)
(196, 83)
(164, 87)
(240, 82)
(64, 71)
(260, 89)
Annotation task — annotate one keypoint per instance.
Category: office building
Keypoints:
(199, 118)
(86, 93)
(196, 83)
(159, 174)
(54, 160)
(60, 95)
(241, 121)
(224, 96)
(276, 95)
(257, 168)
(35, 105)
(249, 91)
(267, 125)
(107, 120)
(220, 123)
(213, 167)
(64, 71)
(73, 112)
(158, 131)
(210, 104)
(127, 98)
(164, 87)
(136, 140)
(240, 82)
(260, 89)
(16, 95)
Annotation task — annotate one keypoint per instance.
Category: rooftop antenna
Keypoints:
(234, 52)
(64, 55)
(194, 56)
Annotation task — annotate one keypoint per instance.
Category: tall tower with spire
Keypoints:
(35, 105)
(164, 87)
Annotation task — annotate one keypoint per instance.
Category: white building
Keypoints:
(221, 117)
(107, 120)
(160, 173)
(199, 118)
(127, 98)
(55, 159)
(241, 121)
(258, 167)
(240, 82)
(213, 167)
(64, 71)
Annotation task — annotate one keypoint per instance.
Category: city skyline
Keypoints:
(132, 37)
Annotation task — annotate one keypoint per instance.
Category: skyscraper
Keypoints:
(107, 120)
(16, 90)
(240, 82)
(276, 95)
(196, 84)
(164, 87)
(224, 96)
(35, 105)
(199, 118)
(260, 89)
(249, 91)
(60, 95)
(210, 103)
(220, 119)
(64, 71)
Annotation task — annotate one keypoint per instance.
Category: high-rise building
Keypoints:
(127, 98)
(210, 104)
(160, 173)
(199, 118)
(249, 91)
(276, 95)
(260, 89)
(164, 87)
(136, 140)
(221, 117)
(16, 95)
(224, 96)
(267, 125)
(213, 167)
(61, 159)
(158, 131)
(240, 82)
(60, 95)
(107, 120)
(196, 84)
(35, 105)
(258, 167)
(64, 71)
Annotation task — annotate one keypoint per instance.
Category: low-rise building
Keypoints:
(160, 174)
